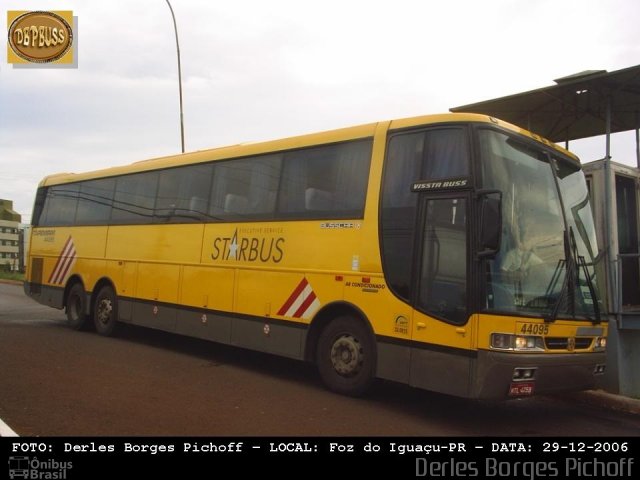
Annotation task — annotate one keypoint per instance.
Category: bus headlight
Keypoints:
(519, 343)
(601, 343)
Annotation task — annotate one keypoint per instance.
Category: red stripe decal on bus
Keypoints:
(305, 305)
(63, 264)
(54, 273)
(293, 297)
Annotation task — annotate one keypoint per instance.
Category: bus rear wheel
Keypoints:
(76, 298)
(346, 356)
(105, 311)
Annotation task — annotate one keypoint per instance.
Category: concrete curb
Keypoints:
(10, 282)
(602, 399)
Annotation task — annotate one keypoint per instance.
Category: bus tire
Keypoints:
(75, 307)
(346, 356)
(105, 311)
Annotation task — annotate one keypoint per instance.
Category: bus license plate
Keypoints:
(521, 389)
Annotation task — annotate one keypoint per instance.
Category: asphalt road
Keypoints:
(56, 381)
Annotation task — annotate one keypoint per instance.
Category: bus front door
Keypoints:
(441, 356)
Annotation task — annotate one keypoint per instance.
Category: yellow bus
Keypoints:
(454, 253)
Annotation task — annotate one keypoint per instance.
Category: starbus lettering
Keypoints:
(248, 249)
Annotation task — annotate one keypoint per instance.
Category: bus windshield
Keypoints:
(545, 264)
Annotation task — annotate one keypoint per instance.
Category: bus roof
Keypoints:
(271, 146)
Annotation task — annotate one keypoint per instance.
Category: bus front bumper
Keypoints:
(503, 375)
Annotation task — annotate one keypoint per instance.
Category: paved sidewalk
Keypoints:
(600, 398)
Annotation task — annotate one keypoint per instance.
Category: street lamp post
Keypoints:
(175, 27)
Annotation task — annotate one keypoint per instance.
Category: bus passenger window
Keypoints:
(61, 201)
(134, 199)
(95, 201)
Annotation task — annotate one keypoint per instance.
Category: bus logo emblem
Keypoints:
(571, 344)
(18, 467)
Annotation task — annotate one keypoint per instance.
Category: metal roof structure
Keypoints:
(576, 107)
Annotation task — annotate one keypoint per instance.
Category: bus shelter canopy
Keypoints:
(574, 108)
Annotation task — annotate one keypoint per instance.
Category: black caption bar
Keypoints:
(429, 457)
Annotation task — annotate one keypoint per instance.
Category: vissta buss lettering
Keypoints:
(442, 184)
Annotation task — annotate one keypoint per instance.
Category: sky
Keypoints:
(257, 70)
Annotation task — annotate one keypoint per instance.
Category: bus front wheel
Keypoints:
(76, 298)
(105, 311)
(346, 356)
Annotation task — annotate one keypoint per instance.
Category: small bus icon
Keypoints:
(18, 467)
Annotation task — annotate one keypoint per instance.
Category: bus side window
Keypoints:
(432, 154)
(443, 278)
(135, 198)
(95, 201)
(316, 199)
(446, 154)
(236, 204)
(61, 202)
(246, 188)
(198, 205)
(263, 189)
(329, 181)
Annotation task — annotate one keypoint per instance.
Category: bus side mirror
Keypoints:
(490, 203)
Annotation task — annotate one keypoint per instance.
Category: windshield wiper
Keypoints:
(568, 284)
(587, 276)
(574, 263)
(592, 290)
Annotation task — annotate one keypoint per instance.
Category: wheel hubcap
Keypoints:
(347, 356)
(104, 311)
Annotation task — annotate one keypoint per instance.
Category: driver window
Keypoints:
(443, 277)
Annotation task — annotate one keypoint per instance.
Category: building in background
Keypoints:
(10, 237)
